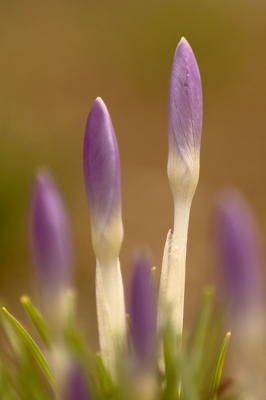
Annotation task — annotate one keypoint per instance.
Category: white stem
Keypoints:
(175, 291)
(110, 310)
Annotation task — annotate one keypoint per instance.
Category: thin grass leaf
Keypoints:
(219, 367)
(37, 319)
(31, 345)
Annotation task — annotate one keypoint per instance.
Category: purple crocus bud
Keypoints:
(185, 114)
(102, 181)
(185, 122)
(240, 262)
(142, 313)
(50, 235)
(239, 253)
(77, 386)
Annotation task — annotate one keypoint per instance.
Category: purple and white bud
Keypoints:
(185, 123)
(102, 181)
(240, 269)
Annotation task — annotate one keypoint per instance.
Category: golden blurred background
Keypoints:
(57, 56)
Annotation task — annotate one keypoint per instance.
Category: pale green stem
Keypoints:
(175, 290)
(110, 310)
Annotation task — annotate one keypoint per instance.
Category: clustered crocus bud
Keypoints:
(185, 121)
(240, 262)
(142, 313)
(76, 386)
(102, 181)
(50, 237)
(185, 124)
(239, 254)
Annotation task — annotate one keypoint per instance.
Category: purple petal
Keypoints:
(101, 165)
(142, 313)
(50, 233)
(239, 252)
(185, 101)
(77, 387)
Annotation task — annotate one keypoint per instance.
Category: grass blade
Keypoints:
(37, 319)
(31, 345)
(219, 367)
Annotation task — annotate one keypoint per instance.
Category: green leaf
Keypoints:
(216, 380)
(37, 319)
(198, 364)
(172, 363)
(200, 330)
(31, 345)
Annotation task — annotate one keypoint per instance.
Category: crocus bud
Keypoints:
(142, 314)
(102, 181)
(76, 385)
(239, 253)
(50, 236)
(240, 262)
(185, 121)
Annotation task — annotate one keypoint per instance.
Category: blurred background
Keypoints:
(57, 56)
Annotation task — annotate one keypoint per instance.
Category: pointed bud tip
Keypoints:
(183, 44)
(100, 106)
(185, 48)
(45, 188)
(99, 100)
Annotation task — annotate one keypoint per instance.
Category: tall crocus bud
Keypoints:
(185, 123)
(102, 180)
(142, 314)
(50, 237)
(239, 254)
(240, 261)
